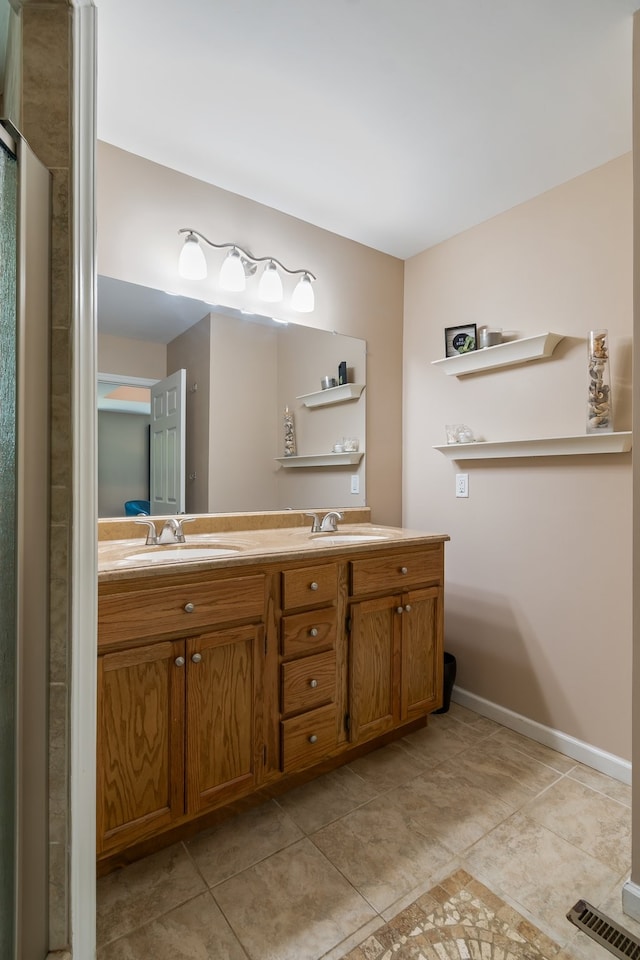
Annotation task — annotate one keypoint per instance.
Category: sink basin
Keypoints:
(335, 539)
(183, 551)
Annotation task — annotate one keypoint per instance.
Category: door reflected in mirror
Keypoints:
(242, 371)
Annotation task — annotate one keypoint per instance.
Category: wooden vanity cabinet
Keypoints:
(179, 720)
(224, 746)
(214, 686)
(395, 640)
(308, 666)
(140, 746)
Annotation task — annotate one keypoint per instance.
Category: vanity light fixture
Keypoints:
(238, 265)
(192, 264)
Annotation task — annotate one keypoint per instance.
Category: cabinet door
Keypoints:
(374, 667)
(421, 652)
(140, 749)
(224, 697)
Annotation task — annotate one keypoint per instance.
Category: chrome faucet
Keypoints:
(315, 526)
(328, 524)
(171, 532)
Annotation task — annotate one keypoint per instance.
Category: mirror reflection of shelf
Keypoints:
(590, 443)
(322, 398)
(322, 459)
(501, 355)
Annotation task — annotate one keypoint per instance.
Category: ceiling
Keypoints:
(396, 123)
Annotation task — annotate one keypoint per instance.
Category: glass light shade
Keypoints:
(270, 287)
(232, 275)
(192, 264)
(303, 299)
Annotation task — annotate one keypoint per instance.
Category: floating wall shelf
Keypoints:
(346, 391)
(322, 459)
(543, 447)
(502, 355)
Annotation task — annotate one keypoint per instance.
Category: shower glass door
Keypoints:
(8, 593)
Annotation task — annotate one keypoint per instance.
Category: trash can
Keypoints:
(448, 679)
(137, 508)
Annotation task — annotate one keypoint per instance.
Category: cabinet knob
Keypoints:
(313, 683)
(399, 609)
(189, 607)
(313, 632)
(404, 571)
(196, 657)
(313, 585)
(407, 609)
(313, 738)
(179, 661)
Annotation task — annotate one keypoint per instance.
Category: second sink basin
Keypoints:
(183, 551)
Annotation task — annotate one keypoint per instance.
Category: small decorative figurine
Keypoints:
(289, 434)
(599, 408)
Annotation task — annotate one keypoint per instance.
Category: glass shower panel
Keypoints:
(8, 625)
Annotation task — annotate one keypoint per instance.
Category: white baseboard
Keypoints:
(578, 750)
(631, 900)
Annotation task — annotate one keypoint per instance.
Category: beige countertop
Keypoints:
(206, 547)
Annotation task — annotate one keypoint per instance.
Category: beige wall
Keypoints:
(131, 358)
(240, 378)
(140, 208)
(304, 357)
(538, 605)
(242, 472)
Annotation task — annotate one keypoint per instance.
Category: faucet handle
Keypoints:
(315, 526)
(152, 535)
(179, 521)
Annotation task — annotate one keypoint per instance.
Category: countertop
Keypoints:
(128, 558)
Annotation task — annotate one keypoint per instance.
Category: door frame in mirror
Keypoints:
(125, 381)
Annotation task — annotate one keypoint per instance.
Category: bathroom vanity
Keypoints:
(264, 658)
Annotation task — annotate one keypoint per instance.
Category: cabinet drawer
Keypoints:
(397, 571)
(308, 682)
(308, 738)
(140, 614)
(306, 632)
(309, 585)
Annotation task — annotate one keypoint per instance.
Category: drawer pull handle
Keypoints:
(313, 683)
(313, 738)
(313, 632)
(189, 607)
(179, 661)
(408, 608)
(313, 585)
(196, 657)
(404, 571)
(399, 609)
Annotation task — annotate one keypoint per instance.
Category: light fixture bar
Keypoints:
(244, 253)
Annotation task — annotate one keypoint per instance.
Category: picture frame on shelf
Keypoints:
(458, 340)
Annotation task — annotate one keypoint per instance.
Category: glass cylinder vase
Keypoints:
(599, 406)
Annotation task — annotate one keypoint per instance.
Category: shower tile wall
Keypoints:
(41, 109)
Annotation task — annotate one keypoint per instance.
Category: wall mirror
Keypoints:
(242, 371)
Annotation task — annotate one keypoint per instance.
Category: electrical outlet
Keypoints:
(462, 484)
(355, 483)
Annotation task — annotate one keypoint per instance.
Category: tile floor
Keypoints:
(313, 873)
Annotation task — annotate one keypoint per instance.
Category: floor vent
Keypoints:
(604, 931)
